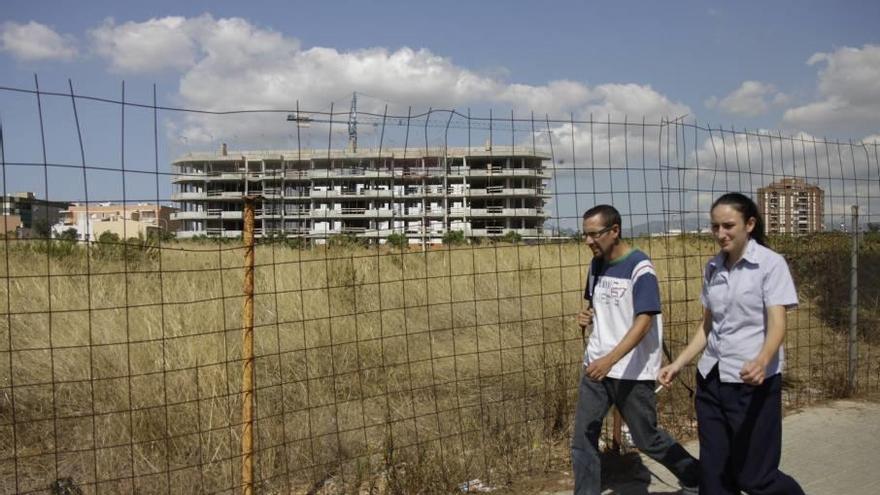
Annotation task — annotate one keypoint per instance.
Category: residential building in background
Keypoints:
(28, 216)
(482, 192)
(126, 221)
(792, 206)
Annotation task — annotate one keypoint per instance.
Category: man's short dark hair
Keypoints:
(610, 215)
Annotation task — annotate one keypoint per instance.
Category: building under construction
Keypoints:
(482, 192)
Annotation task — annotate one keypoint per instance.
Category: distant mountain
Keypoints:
(675, 223)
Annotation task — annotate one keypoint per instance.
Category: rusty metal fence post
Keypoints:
(853, 351)
(247, 352)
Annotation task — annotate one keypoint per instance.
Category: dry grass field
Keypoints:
(377, 371)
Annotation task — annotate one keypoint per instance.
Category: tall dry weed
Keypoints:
(377, 370)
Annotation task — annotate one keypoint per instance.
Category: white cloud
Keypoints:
(35, 41)
(152, 45)
(751, 99)
(849, 88)
(232, 64)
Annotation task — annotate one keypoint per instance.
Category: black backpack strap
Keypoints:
(592, 280)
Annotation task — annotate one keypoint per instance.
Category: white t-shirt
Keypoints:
(619, 291)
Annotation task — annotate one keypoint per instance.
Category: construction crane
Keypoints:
(352, 124)
(305, 120)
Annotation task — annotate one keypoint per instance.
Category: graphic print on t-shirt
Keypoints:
(611, 290)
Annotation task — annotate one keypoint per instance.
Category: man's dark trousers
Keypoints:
(636, 402)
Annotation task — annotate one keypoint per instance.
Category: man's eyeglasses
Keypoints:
(597, 234)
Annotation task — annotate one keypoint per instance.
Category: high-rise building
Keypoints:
(792, 206)
(317, 194)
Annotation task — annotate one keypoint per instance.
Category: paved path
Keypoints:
(830, 450)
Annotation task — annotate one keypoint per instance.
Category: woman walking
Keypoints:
(747, 289)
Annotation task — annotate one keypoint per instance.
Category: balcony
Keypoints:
(365, 193)
(267, 212)
(218, 175)
(292, 193)
(216, 232)
(300, 212)
(342, 173)
(498, 231)
(501, 172)
(497, 191)
(183, 196)
(228, 194)
(188, 176)
(358, 173)
(189, 215)
(497, 211)
(296, 174)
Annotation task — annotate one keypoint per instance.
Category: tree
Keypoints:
(41, 228)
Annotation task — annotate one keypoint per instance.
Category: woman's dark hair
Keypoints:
(748, 209)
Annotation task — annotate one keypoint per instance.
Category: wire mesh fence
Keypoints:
(415, 281)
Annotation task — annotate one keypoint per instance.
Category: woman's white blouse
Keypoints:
(738, 300)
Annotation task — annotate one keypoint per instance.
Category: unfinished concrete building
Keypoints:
(318, 194)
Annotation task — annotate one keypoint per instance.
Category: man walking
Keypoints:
(623, 355)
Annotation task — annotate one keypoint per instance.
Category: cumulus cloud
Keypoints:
(35, 41)
(232, 64)
(751, 99)
(148, 46)
(849, 92)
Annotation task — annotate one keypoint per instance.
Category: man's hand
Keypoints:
(599, 368)
(668, 373)
(585, 318)
(753, 372)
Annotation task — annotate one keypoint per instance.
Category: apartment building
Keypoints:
(28, 216)
(792, 206)
(124, 220)
(316, 194)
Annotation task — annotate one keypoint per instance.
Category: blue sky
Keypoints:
(802, 68)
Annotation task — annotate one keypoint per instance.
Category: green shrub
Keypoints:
(69, 235)
(57, 248)
(398, 240)
(454, 238)
(344, 241)
(296, 242)
(821, 266)
(161, 235)
(511, 237)
(108, 237)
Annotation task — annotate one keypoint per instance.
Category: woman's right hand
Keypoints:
(668, 374)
